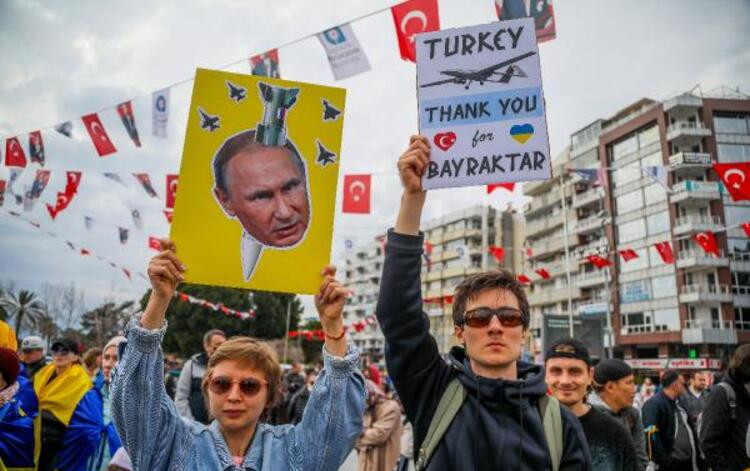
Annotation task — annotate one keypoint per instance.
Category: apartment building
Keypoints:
(696, 308)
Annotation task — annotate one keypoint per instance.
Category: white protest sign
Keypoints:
(344, 52)
(481, 105)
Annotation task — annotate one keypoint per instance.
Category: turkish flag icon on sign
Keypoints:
(171, 190)
(411, 18)
(14, 154)
(356, 194)
(736, 178)
(98, 135)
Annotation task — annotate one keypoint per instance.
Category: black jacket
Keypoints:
(661, 411)
(723, 439)
(499, 425)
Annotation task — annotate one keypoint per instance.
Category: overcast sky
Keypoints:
(61, 60)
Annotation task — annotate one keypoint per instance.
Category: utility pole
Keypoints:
(288, 319)
(567, 257)
(609, 316)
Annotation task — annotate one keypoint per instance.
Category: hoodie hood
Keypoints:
(500, 394)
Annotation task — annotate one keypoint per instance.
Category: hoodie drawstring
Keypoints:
(520, 420)
(476, 421)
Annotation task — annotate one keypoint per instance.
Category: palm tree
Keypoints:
(24, 306)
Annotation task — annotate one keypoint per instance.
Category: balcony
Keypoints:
(553, 245)
(684, 132)
(700, 259)
(693, 191)
(588, 197)
(590, 224)
(545, 201)
(689, 160)
(545, 224)
(705, 294)
(709, 331)
(685, 102)
(589, 279)
(553, 295)
(695, 223)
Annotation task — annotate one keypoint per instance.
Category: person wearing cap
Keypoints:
(614, 392)
(16, 422)
(672, 442)
(67, 401)
(32, 355)
(568, 375)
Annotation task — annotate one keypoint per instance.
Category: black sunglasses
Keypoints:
(60, 350)
(482, 316)
(248, 386)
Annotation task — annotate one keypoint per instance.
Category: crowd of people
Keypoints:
(129, 406)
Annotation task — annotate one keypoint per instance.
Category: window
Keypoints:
(736, 214)
(652, 160)
(670, 318)
(658, 223)
(648, 136)
(629, 202)
(625, 175)
(631, 230)
(733, 153)
(624, 147)
(654, 193)
(731, 124)
(635, 291)
(664, 286)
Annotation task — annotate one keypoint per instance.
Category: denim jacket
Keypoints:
(158, 439)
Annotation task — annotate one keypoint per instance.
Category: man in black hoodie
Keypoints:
(498, 426)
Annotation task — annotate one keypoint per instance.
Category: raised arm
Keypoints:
(332, 420)
(147, 421)
(412, 357)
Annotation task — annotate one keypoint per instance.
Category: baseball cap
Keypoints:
(569, 348)
(70, 344)
(32, 342)
(612, 369)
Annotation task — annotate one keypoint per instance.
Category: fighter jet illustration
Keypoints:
(329, 112)
(325, 156)
(211, 123)
(236, 92)
(466, 77)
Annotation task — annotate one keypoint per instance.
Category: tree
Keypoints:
(312, 349)
(188, 322)
(104, 322)
(24, 306)
(64, 304)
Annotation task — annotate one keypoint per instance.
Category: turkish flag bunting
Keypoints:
(125, 110)
(746, 228)
(628, 254)
(183, 296)
(543, 273)
(14, 154)
(665, 251)
(72, 183)
(153, 243)
(127, 272)
(171, 190)
(597, 261)
(85, 252)
(707, 240)
(146, 183)
(98, 135)
(52, 211)
(36, 147)
(498, 253)
(356, 194)
(411, 18)
(524, 280)
(168, 215)
(736, 178)
(508, 186)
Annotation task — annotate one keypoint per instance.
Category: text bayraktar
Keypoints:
(487, 164)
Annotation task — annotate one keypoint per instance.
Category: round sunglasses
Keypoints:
(482, 316)
(248, 386)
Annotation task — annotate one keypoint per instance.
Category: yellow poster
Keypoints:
(257, 186)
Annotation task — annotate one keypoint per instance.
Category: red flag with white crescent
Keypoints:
(598, 261)
(411, 18)
(171, 189)
(736, 178)
(356, 194)
(14, 154)
(508, 186)
(707, 240)
(36, 147)
(665, 251)
(98, 135)
(125, 110)
(628, 254)
(73, 181)
(498, 253)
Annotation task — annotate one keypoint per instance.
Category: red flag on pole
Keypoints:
(746, 228)
(707, 240)
(543, 273)
(508, 186)
(597, 261)
(14, 154)
(98, 135)
(665, 251)
(628, 254)
(736, 178)
(498, 253)
(356, 194)
(411, 18)
(171, 189)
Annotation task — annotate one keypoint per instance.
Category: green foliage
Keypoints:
(104, 322)
(188, 322)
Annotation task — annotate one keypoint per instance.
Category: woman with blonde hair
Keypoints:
(241, 384)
